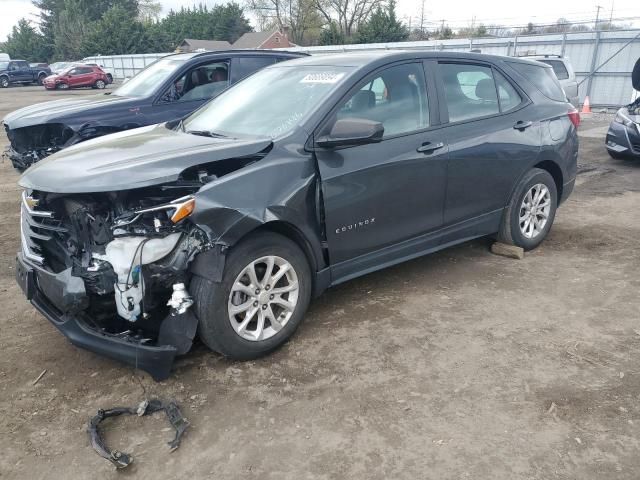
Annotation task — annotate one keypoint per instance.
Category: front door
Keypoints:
(491, 141)
(378, 195)
(188, 91)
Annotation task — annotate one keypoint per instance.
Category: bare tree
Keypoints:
(347, 14)
(149, 11)
(295, 16)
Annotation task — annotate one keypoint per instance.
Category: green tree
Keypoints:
(383, 26)
(71, 29)
(331, 35)
(116, 33)
(48, 19)
(25, 42)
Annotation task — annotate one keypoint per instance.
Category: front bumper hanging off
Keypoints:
(48, 292)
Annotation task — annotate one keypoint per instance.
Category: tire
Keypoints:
(41, 78)
(100, 84)
(4, 82)
(62, 86)
(212, 300)
(109, 78)
(530, 235)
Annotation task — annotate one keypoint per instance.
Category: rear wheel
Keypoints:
(100, 84)
(109, 78)
(261, 300)
(531, 211)
(41, 78)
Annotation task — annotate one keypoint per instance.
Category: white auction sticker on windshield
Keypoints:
(326, 77)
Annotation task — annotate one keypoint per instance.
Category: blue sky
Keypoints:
(458, 13)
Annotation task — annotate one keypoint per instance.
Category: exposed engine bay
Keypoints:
(131, 249)
(33, 143)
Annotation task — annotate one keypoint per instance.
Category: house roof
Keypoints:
(195, 44)
(253, 39)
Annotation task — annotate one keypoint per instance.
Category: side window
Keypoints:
(559, 68)
(84, 70)
(74, 71)
(543, 78)
(14, 66)
(199, 83)
(470, 91)
(507, 95)
(395, 97)
(24, 65)
(245, 66)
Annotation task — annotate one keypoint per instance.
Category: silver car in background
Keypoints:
(564, 71)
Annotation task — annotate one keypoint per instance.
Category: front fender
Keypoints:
(279, 190)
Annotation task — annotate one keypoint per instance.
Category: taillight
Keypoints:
(574, 116)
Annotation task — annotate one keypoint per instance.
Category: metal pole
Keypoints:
(564, 44)
(594, 59)
(610, 58)
(515, 46)
(598, 15)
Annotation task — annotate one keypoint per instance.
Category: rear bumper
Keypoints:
(50, 293)
(623, 140)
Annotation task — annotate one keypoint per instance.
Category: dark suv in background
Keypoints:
(168, 89)
(302, 176)
(21, 72)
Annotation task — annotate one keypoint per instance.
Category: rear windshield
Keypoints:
(543, 78)
(559, 68)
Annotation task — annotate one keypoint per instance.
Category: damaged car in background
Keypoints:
(623, 137)
(303, 176)
(168, 89)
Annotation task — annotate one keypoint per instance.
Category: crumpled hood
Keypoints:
(133, 159)
(50, 112)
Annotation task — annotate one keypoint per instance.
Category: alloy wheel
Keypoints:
(100, 84)
(534, 211)
(4, 83)
(263, 298)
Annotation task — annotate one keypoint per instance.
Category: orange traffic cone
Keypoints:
(586, 106)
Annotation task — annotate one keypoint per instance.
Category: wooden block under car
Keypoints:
(505, 250)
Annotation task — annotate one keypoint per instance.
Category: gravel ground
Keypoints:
(457, 365)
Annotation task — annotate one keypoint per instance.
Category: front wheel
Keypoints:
(261, 300)
(531, 211)
(4, 82)
(62, 86)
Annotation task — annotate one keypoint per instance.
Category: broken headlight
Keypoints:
(172, 212)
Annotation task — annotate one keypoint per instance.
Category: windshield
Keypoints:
(4, 65)
(150, 78)
(268, 103)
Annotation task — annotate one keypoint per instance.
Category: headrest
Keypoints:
(485, 89)
(363, 100)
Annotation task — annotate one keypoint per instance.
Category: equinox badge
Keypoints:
(356, 226)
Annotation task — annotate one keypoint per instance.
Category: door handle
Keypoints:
(429, 147)
(520, 125)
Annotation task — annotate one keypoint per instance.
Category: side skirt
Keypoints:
(486, 224)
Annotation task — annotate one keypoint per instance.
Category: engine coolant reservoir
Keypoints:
(120, 254)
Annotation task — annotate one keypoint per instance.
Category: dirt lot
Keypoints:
(457, 365)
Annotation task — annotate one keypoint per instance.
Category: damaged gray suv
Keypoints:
(305, 175)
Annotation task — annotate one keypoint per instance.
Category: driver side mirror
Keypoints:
(352, 131)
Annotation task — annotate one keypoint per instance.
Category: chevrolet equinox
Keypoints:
(302, 176)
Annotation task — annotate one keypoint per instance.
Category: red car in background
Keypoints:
(77, 76)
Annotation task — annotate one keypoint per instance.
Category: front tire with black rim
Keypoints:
(261, 300)
(531, 211)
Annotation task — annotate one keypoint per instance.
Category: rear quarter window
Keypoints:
(543, 78)
(559, 68)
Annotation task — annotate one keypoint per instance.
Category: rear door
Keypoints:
(242, 67)
(381, 194)
(492, 138)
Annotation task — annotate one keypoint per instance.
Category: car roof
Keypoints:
(360, 59)
(236, 53)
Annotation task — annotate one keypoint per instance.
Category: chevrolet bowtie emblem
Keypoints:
(32, 202)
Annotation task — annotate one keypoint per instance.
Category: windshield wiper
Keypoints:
(206, 133)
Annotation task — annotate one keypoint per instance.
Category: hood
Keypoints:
(133, 159)
(635, 76)
(50, 112)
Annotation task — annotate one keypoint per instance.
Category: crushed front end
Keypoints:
(31, 144)
(110, 270)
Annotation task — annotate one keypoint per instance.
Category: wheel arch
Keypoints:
(555, 171)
